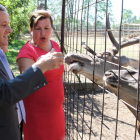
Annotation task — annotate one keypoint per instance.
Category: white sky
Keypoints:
(133, 5)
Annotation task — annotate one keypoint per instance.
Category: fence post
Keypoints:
(45, 4)
(62, 26)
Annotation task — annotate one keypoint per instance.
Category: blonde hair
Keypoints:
(39, 15)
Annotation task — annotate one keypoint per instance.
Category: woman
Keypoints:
(44, 109)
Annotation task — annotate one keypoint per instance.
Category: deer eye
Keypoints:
(113, 86)
(81, 64)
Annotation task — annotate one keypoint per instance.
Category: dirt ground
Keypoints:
(78, 124)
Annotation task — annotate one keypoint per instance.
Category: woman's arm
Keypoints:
(24, 64)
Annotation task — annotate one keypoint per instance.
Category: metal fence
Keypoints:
(91, 111)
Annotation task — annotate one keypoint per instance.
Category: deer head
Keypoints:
(87, 66)
(125, 80)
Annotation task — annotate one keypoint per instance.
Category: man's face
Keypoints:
(4, 30)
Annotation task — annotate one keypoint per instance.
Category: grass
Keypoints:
(13, 49)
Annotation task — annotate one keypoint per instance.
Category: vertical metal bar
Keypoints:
(74, 119)
(91, 111)
(72, 95)
(37, 3)
(81, 25)
(81, 52)
(87, 25)
(79, 84)
(138, 93)
(45, 4)
(120, 30)
(86, 52)
(62, 26)
(70, 40)
(68, 125)
(94, 51)
(67, 82)
(102, 121)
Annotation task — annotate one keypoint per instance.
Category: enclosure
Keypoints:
(93, 111)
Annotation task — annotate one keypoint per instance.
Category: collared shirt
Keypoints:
(20, 105)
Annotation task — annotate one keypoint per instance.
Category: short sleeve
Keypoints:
(55, 46)
(27, 51)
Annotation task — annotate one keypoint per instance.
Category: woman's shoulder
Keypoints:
(26, 51)
(55, 45)
(54, 42)
(28, 45)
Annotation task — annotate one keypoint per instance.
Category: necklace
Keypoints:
(44, 48)
(32, 43)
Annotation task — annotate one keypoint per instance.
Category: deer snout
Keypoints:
(108, 73)
(111, 73)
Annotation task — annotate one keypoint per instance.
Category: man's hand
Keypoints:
(50, 61)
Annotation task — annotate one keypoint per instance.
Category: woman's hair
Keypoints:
(39, 15)
(2, 8)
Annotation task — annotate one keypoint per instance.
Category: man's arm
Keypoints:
(12, 91)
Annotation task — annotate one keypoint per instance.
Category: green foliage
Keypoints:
(55, 12)
(19, 11)
(101, 9)
(11, 56)
(85, 11)
(16, 44)
(129, 17)
(13, 49)
(138, 21)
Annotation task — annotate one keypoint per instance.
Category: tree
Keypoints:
(128, 16)
(138, 21)
(85, 10)
(101, 11)
(19, 11)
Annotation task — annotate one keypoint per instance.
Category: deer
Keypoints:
(127, 82)
(103, 68)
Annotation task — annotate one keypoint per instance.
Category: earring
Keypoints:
(31, 35)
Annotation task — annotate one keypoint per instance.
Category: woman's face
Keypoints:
(42, 32)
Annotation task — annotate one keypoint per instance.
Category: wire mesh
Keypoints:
(92, 111)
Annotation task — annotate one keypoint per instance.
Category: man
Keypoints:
(14, 90)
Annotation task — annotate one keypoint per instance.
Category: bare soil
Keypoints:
(78, 108)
